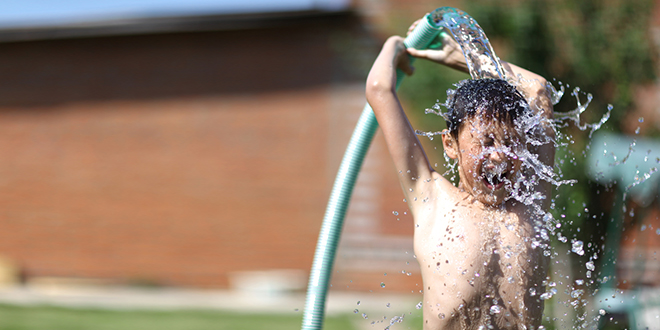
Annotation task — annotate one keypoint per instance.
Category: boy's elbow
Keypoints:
(376, 89)
(371, 90)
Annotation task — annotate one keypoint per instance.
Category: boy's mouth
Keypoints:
(494, 181)
(495, 176)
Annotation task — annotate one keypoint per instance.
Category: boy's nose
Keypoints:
(496, 156)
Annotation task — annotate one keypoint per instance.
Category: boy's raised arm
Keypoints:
(404, 147)
(535, 88)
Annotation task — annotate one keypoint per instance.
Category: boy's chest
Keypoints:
(463, 228)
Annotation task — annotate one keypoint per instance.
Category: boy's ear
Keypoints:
(449, 144)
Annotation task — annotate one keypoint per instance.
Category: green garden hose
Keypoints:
(421, 37)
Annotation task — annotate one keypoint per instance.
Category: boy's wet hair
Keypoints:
(494, 99)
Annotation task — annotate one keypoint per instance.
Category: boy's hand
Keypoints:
(401, 58)
(450, 54)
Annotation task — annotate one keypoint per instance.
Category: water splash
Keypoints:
(639, 180)
(562, 118)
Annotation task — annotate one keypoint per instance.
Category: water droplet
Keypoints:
(365, 316)
(576, 293)
(637, 130)
(419, 305)
(441, 316)
(578, 247)
(495, 309)
(382, 284)
(657, 231)
(395, 212)
(546, 296)
(356, 311)
(641, 119)
(358, 302)
(590, 265)
(602, 312)
(510, 279)
(579, 282)
(388, 305)
(547, 217)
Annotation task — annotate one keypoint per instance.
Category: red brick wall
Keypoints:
(174, 191)
(178, 159)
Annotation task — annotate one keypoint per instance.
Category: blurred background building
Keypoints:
(171, 144)
(187, 146)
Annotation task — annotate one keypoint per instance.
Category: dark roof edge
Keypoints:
(158, 25)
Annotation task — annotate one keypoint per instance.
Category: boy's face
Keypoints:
(488, 162)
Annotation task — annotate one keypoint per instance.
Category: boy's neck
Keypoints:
(482, 201)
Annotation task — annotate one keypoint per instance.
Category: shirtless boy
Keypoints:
(477, 247)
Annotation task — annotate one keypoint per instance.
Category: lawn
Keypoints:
(58, 318)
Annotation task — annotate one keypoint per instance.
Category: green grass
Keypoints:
(58, 318)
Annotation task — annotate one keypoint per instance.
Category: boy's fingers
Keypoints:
(412, 26)
(404, 65)
(412, 51)
(430, 54)
(408, 69)
(418, 53)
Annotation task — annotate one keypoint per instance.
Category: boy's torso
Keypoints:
(477, 263)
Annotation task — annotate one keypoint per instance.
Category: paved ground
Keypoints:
(381, 308)
(116, 297)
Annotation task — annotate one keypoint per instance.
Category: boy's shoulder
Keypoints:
(444, 192)
(430, 192)
(439, 201)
